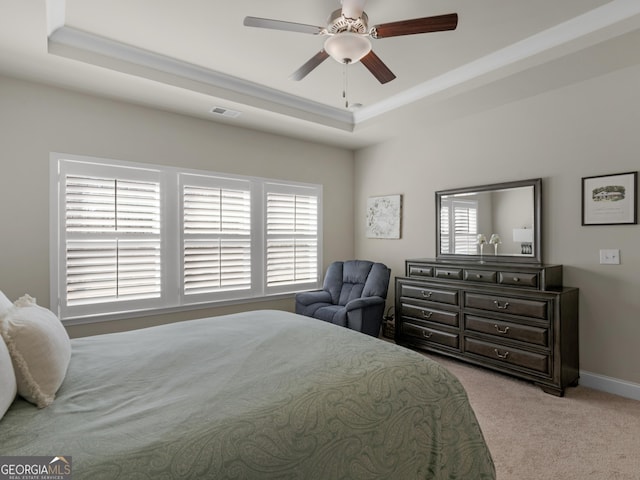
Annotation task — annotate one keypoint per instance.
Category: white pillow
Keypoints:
(8, 386)
(39, 347)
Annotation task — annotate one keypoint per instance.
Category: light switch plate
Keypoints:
(610, 256)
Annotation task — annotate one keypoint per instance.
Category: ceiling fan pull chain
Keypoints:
(345, 78)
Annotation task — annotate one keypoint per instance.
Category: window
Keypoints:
(292, 237)
(461, 218)
(134, 238)
(113, 239)
(216, 233)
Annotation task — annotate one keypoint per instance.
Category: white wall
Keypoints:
(586, 129)
(36, 120)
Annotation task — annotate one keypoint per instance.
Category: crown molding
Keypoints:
(93, 49)
(563, 34)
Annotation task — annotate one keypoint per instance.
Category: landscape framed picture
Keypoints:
(610, 199)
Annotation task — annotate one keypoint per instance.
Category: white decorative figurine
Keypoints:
(495, 241)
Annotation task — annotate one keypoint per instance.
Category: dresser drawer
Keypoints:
(485, 276)
(513, 331)
(419, 270)
(431, 335)
(512, 356)
(448, 273)
(519, 279)
(425, 313)
(503, 304)
(440, 295)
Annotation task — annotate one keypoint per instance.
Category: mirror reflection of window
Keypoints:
(496, 209)
(461, 218)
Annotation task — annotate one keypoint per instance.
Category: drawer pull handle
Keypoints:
(516, 279)
(427, 314)
(478, 275)
(427, 334)
(506, 329)
(503, 356)
(426, 294)
(501, 307)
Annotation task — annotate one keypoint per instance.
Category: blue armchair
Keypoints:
(353, 296)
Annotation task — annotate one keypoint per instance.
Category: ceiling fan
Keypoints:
(348, 36)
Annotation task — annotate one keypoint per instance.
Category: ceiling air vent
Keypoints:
(225, 112)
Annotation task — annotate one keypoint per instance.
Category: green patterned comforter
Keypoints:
(255, 395)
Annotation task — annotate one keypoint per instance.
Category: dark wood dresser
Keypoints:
(514, 318)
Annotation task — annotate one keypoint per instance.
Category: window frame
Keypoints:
(173, 298)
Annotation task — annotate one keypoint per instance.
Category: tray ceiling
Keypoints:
(193, 56)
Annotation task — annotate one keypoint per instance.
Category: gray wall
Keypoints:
(36, 120)
(590, 128)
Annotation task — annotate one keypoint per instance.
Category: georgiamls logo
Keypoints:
(35, 468)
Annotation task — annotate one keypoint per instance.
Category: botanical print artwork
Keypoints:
(383, 217)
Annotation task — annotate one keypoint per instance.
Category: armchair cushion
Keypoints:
(336, 314)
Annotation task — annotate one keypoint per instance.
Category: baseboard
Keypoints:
(610, 385)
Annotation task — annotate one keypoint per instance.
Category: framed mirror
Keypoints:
(498, 222)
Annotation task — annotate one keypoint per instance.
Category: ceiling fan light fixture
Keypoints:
(347, 47)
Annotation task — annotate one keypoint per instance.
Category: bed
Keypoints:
(254, 395)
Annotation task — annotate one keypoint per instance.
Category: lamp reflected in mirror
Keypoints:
(524, 236)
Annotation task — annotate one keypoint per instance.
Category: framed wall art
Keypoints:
(383, 216)
(610, 199)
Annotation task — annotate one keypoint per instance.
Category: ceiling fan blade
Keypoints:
(377, 67)
(312, 63)
(438, 23)
(282, 25)
(353, 8)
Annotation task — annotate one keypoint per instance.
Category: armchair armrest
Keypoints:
(315, 296)
(364, 303)
(365, 314)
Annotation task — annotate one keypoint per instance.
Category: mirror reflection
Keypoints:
(491, 221)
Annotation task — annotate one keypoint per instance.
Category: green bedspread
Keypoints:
(255, 395)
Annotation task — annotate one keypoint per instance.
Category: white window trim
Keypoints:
(171, 236)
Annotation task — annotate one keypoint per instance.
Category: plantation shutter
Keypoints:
(465, 227)
(112, 239)
(445, 238)
(292, 239)
(217, 239)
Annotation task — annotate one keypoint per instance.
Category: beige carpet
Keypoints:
(587, 434)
